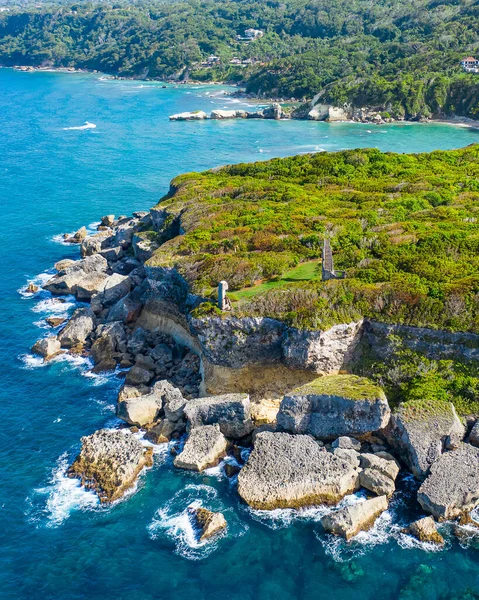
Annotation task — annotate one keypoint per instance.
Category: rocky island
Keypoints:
(330, 381)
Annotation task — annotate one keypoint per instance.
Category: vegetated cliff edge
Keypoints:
(403, 228)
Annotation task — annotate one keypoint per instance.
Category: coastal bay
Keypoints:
(54, 179)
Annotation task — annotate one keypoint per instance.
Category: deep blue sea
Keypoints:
(55, 540)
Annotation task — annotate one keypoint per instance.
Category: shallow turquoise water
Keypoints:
(55, 541)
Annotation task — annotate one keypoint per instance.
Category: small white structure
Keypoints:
(223, 300)
(470, 64)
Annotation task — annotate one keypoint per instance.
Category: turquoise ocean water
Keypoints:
(55, 541)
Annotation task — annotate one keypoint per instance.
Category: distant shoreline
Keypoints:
(465, 122)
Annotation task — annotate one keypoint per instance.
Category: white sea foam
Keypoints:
(87, 125)
(64, 495)
(174, 521)
(51, 306)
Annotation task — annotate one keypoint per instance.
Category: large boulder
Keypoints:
(78, 328)
(425, 530)
(387, 466)
(87, 274)
(109, 462)
(419, 431)
(47, 347)
(290, 471)
(138, 408)
(232, 412)
(114, 288)
(350, 520)
(208, 522)
(452, 486)
(95, 243)
(204, 448)
(332, 406)
(377, 482)
(110, 340)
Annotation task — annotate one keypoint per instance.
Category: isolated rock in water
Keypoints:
(377, 482)
(388, 467)
(290, 471)
(197, 115)
(32, 288)
(474, 435)
(78, 328)
(347, 443)
(47, 347)
(140, 409)
(349, 521)
(204, 448)
(109, 462)
(425, 530)
(452, 486)
(419, 431)
(55, 321)
(332, 406)
(231, 411)
(209, 523)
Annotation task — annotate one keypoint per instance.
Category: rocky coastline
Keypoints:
(282, 405)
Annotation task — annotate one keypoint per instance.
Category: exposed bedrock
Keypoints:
(78, 328)
(232, 412)
(109, 462)
(350, 520)
(419, 432)
(452, 486)
(337, 405)
(204, 448)
(290, 471)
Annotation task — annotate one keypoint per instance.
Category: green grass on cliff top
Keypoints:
(404, 227)
(351, 387)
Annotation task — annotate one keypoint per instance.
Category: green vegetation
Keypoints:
(400, 56)
(404, 228)
(351, 387)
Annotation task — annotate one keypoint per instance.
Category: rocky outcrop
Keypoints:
(232, 412)
(137, 408)
(419, 431)
(82, 279)
(78, 328)
(474, 435)
(452, 486)
(350, 520)
(387, 466)
(197, 115)
(334, 406)
(377, 482)
(321, 351)
(47, 347)
(290, 471)
(109, 463)
(425, 530)
(228, 114)
(204, 448)
(207, 522)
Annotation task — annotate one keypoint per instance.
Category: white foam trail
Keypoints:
(51, 306)
(64, 495)
(87, 125)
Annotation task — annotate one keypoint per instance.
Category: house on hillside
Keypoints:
(250, 34)
(470, 64)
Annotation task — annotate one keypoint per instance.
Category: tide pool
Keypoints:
(58, 172)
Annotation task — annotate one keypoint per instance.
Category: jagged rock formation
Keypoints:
(452, 487)
(334, 406)
(232, 412)
(47, 347)
(208, 522)
(290, 471)
(109, 462)
(204, 448)
(420, 431)
(425, 530)
(350, 520)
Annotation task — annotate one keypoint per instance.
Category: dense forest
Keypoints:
(404, 55)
